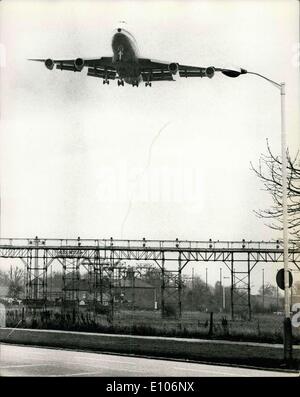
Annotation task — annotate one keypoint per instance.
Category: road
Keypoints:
(16, 360)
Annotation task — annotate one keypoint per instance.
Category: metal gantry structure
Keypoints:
(102, 258)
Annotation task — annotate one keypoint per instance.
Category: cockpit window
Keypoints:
(121, 30)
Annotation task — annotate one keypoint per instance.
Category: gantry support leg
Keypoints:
(71, 281)
(133, 288)
(36, 271)
(98, 280)
(232, 287)
(181, 266)
(36, 267)
(179, 287)
(90, 298)
(28, 277)
(64, 293)
(249, 289)
(241, 288)
(111, 285)
(163, 285)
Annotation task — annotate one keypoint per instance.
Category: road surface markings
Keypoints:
(213, 371)
(24, 365)
(101, 367)
(76, 374)
(106, 361)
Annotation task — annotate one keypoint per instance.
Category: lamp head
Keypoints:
(233, 73)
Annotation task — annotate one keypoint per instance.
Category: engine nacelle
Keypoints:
(173, 67)
(79, 64)
(49, 63)
(210, 71)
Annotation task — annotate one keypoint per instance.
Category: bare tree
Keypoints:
(16, 276)
(268, 290)
(269, 172)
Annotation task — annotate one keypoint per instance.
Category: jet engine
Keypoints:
(173, 67)
(210, 71)
(49, 63)
(79, 64)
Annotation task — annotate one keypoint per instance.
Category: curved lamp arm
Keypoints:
(278, 85)
(237, 73)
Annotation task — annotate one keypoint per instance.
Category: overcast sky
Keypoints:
(79, 158)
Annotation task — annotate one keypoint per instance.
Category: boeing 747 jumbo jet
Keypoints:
(126, 66)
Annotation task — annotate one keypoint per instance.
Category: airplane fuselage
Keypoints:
(125, 57)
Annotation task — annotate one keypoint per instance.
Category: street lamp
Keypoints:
(287, 320)
(231, 73)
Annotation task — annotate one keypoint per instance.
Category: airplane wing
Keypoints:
(150, 70)
(158, 71)
(97, 67)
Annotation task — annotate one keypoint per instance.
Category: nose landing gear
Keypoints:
(135, 84)
(105, 81)
(148, 84)
(120, 52)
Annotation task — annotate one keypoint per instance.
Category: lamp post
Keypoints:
(287, 319)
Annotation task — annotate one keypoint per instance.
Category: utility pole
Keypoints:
(263, 288)
(277, 295)
(51, 283)
(221, 289)
(155, 299)
(193, 275)
(224, 294)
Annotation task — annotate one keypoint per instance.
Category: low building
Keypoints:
(3, 291)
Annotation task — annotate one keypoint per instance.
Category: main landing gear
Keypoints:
(105, 81)
(135, 84)
(120, 82)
